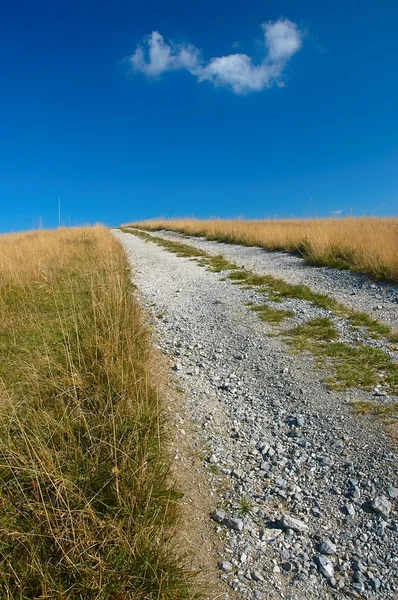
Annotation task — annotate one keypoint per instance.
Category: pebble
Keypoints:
(381, 505)
(293, 523)
(327, 547)
(270, 535)
(226, 566)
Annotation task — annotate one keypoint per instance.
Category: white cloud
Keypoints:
(236, 71)
(283, 39)
(163, 57)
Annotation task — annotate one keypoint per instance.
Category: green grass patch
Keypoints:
(360, 319)
(219, 263)
(393, 336)
(352, 366)
(277, 289)
(360, 366)
(183, 250)
(385, 411)
(307, 335)
(213, 469)
(272, 315)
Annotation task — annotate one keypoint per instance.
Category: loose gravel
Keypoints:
(305, 492)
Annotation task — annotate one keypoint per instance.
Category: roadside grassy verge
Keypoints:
(367, 245)
(87, 511)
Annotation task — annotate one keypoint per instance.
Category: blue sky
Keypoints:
(255, 109)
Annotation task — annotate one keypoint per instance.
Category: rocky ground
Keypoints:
(305, 491)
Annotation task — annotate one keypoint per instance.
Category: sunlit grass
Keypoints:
(368, 244)
(87, 510)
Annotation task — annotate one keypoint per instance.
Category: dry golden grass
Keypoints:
(86, 510)
(368, 245)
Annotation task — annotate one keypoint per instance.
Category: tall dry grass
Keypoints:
(368, 245)
(86, 511)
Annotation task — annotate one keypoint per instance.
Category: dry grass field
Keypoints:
(367, 245)
(86, 506)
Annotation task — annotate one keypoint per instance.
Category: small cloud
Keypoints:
(282, 39)
(236, 44)
(336, 213)
(163, 57)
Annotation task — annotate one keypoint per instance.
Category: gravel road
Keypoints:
(359, 292)
(305, 492)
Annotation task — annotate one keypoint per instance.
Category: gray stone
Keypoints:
(357, 566)
(224, 565)
(218, 515)
(299, 421)
(359, 577)
(377, 393)
(392, 492)
(327, 547)
(349, 509)
(231, 523)
(375, 583)
(289, 522)
(256, 576)
(287, 566)
(381, 505)
(264, 448)
(358, 587)
(325, 566)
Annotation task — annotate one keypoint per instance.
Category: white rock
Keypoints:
(289, 522)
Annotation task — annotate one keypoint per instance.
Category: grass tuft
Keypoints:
(219, 263)
(360, 319)
(357, 366)
(272, 315)
(360, 366)
(246, 506)
(379, 410)
(305, 336)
